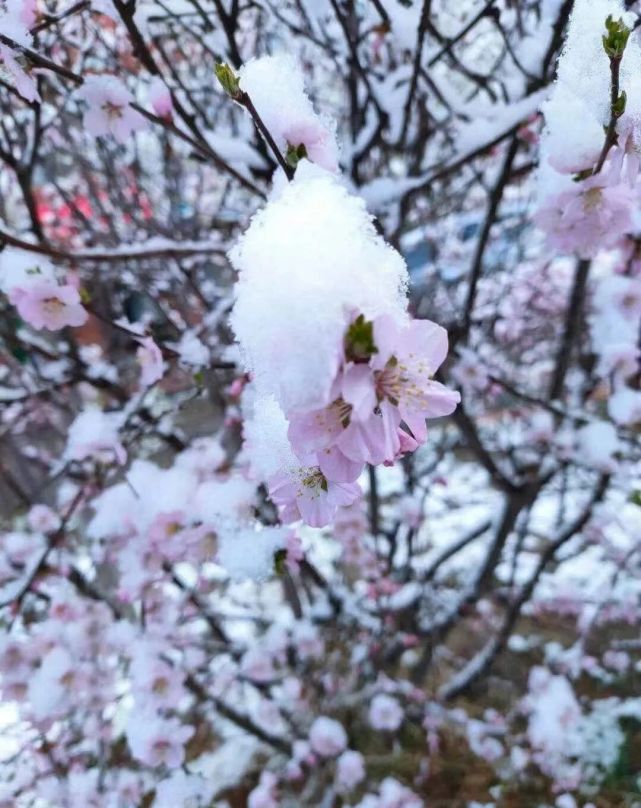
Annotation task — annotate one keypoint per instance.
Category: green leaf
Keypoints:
(295, 154)
(618, 108)
(616, 39)
(359, 340)
(635, 498)
(228, 80)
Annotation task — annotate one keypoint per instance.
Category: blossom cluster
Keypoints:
(379, 401)
(347, 375)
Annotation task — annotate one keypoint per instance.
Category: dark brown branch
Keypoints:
(571, 328)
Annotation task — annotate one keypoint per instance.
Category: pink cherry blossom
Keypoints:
(319, 142)
(16, 18)
(308, 495)
(160, 98)
(150, 359)
(591, 216)
(43, 519)
(385, 713)
(258, 665)
(350, 770)
(154, 682)
(157, 741)
(375, 402)
(44, 304)
(264, 795)
(314, 436)
(327, 737)
(395, 795)
(109, 109)
(295, 554)
(401, 379)
(23, 81)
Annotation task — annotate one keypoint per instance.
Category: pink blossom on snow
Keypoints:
(318, 140)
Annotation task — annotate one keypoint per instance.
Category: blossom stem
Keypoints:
(610, 135)
(245, 101)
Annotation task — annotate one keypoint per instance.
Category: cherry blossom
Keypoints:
(109, 110)
(150, 359)
(44, 304)
(385, 713)
(591, 216)
(308, 495)
(157, 741)
(160, 98)
(392, 386)
(327, 737)
(16, 18)
(44, 519)
(299, 230)
(265, 794)
(350, 770)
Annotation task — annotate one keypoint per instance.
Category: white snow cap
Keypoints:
(597, 443)
(314, 244)
(21, 268)
(276, 87)
(249, 552)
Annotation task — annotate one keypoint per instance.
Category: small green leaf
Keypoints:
(359, 340)
(295, 154)
(616, 39)
(85, 297)
(635, 498)
(199, 378)
(618, 108)
(228, 80)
